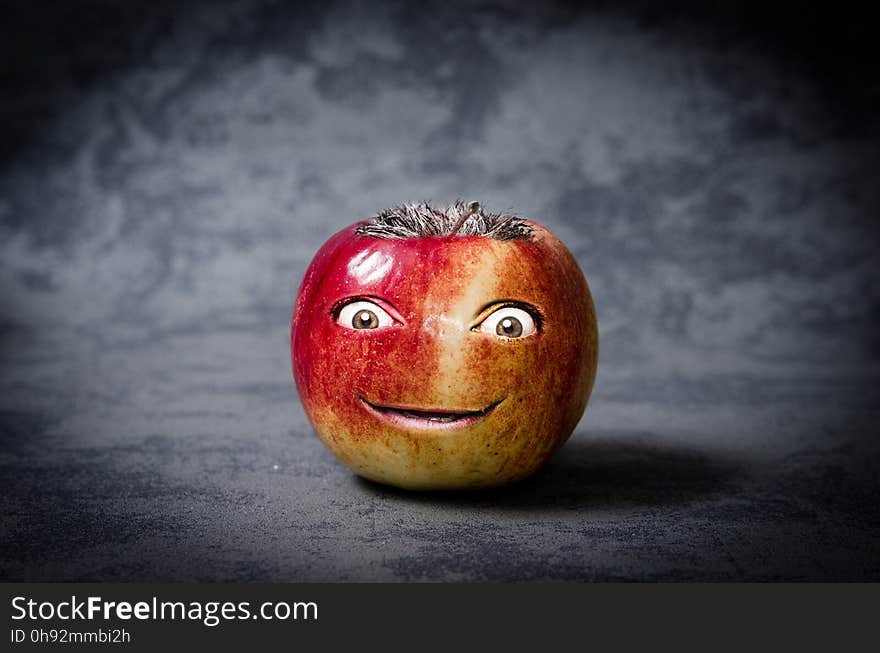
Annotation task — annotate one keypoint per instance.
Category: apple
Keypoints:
(441, 350)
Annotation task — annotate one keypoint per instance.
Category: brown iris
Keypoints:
(509, 327)
(365, 320)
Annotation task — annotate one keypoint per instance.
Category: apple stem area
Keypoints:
(473, 207)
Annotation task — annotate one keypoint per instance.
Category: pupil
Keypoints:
(510, 327)
(366, 320)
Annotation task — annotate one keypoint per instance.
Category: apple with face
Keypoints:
(444, 349)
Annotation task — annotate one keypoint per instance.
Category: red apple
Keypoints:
(429, 359)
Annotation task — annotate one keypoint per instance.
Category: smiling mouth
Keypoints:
(418, 418)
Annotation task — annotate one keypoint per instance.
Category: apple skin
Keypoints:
(432, 358)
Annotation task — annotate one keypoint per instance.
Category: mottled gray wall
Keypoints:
(167, 174)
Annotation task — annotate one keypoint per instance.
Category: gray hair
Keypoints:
(422, 219)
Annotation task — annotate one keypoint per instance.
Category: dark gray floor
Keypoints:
(165, 182)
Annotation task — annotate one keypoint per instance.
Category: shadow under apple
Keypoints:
(607, 469)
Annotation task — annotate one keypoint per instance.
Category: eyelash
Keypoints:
(342, 303)
(528, 308)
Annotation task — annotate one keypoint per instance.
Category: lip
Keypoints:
(430, 419)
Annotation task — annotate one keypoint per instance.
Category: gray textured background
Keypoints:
(167, 174)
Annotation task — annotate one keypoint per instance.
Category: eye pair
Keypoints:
(505, 321)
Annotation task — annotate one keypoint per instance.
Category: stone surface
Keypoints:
(164, 183)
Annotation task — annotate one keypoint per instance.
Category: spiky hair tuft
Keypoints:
(422, 219)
